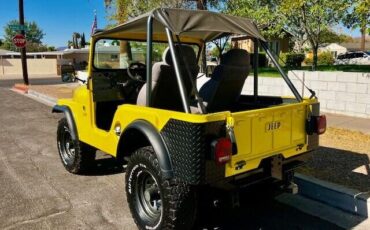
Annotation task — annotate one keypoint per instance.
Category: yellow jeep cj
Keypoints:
(141, 105)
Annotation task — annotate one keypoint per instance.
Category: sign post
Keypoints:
(22, 41)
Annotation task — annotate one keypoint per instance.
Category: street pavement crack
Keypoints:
(34, 220)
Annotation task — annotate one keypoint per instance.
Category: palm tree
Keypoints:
(75, 37)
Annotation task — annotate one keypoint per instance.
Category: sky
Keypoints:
(59, 19)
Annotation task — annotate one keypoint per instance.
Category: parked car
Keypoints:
(353, 58)
(68, 73)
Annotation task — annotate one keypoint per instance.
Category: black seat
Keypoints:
(222, 91)
(165, 89)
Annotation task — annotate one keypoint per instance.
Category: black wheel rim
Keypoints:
(68, 148)
(149, 198)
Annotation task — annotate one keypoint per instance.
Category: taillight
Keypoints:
(321, 124)
(222, 150)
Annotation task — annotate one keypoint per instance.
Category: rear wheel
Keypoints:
(75, 155)
(156, 203)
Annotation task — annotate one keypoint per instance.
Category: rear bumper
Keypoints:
(276, 168)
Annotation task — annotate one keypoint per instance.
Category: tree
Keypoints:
(83, 41)
(120, 11)
(35, 47)
(358, 16)
(220, 44)
(34, 36)
(313, 17)
(1, 42)
(51, 48)
(133, 8)
(265, 14)
(329, 36)
(215, 51)
(69, 44)
(75, 37)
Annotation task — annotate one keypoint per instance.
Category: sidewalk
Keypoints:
(347, 122)
(54, 91)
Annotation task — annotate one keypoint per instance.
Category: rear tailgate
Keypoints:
(266, 132)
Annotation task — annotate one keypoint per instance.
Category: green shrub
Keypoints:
(324, 58)
(291, 59)
(294, 59)
(282, 59)
(308, 60)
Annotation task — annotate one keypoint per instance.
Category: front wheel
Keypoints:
(156, 203)
(75, 155)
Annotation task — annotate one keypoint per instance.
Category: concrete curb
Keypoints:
(45, 99)
(334, 215)
(22, 88)
(334, 195)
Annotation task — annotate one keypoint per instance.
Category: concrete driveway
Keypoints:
(36, 192)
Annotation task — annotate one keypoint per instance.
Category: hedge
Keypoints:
(324, 58)
(291, 59)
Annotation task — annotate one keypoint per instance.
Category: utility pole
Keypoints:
(23, 50)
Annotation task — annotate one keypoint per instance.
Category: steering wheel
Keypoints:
(134, 69)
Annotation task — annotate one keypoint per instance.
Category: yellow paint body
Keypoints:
(260, 133)
(255, 139)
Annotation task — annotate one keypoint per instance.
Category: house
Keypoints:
(276, 44)
(50, 62)
(355, 46)
(6, 53)
(333, 48)
(38, 63)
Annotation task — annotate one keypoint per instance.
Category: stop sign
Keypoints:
(19, 41)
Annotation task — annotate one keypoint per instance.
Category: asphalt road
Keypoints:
(36, 192)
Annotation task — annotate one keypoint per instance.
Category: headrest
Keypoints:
(235, 57)
(186, 52)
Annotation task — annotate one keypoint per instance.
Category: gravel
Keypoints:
(343, 158)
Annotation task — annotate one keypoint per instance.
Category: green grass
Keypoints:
(272, 72)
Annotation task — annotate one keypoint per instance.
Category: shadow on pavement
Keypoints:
(347, 168)
(259, 210)
(105, 166)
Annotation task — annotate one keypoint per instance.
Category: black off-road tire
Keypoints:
(76, 156)
(178, 200)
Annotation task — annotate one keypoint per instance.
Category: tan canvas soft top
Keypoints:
(195, 26)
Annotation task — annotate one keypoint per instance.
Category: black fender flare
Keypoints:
(156, 141)
(70, 120)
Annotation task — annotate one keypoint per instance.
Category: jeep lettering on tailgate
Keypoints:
(273, 125)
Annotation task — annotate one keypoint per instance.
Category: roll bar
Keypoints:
(285, 77)
(180, 82)
(149, 49)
